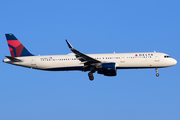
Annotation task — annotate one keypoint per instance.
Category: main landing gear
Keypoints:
(157, 74)
(90, 74)
(91, 77)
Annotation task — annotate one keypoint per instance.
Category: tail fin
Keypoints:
(15, 47)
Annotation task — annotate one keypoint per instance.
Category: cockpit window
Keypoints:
(166, 56)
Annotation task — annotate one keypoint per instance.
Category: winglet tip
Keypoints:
(70, 46)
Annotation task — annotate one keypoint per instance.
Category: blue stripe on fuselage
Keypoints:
(65, 68)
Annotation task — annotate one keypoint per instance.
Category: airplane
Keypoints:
(106, 64)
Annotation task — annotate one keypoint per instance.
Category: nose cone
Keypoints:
(170, 62)
(174, 62)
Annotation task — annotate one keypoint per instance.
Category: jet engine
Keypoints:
(108, 69)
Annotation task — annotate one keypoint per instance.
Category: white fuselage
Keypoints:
(70, 62)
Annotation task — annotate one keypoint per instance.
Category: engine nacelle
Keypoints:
(108, 69)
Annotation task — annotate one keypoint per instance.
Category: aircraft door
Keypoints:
(157, 57)
(33, 62)
(122, 59)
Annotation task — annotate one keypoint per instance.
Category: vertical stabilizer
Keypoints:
(15, 47)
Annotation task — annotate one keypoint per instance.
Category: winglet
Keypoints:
(70, 46)
(82, 57)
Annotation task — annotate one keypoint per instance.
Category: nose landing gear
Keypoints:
(157, 74)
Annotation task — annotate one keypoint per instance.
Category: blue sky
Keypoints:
(96, 26)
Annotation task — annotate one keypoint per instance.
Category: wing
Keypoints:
(82, 57)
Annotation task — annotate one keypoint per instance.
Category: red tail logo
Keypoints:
(15, 47)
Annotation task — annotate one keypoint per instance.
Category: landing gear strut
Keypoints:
(90, 74)
(91, 77)
(157, 74)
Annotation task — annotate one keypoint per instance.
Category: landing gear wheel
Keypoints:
(157, 74)
(90, 74)
(91, 78)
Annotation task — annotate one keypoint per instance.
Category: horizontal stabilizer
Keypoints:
(13, 59)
